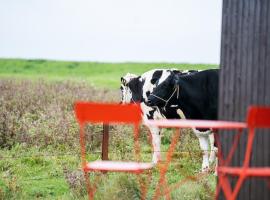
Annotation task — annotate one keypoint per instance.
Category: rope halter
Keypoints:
(176, 90)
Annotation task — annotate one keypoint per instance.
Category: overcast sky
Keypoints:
(112, 30)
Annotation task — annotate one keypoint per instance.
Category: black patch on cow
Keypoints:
(135, 86)
(151, 114)
(147, 93)
(156, 76)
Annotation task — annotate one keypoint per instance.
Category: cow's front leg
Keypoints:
(155, 132)
(204, 147)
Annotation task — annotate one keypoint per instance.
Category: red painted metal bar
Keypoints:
(117, 166)
(186, 123)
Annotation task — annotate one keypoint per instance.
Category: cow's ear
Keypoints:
(176, 71)
(175, 79)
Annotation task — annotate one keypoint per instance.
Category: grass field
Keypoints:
(97, 74)
(39, 137)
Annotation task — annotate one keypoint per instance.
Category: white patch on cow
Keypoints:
(147, 76)
(158, 115)
(146, 109)
(164, 76)
(185, 71)
(126, 95)
(148, 86)
(181, 114)
(188, 72)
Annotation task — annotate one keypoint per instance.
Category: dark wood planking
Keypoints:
(267, 82)
(245, 78)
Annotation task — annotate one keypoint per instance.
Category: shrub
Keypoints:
(41, 113)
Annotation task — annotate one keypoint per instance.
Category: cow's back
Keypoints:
(199, 94)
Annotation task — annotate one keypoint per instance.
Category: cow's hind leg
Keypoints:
(213, 149)
(203, 139)
(213, 152)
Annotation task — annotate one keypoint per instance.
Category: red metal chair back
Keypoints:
(90, 112)
(258, 117)
(107, 113)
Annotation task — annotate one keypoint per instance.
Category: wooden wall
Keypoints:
(245, 80)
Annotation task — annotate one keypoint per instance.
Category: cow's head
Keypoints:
(126, 94)
(162, 94)
(131, 88)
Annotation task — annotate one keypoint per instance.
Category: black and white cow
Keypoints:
(138, 89)
(196, 96)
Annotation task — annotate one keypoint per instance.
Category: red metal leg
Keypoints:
(164, 168)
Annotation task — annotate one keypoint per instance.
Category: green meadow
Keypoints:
(39, 136)
(97, 74)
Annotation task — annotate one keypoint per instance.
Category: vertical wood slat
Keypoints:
(105, 142)
(266, 77)
(245, 79)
